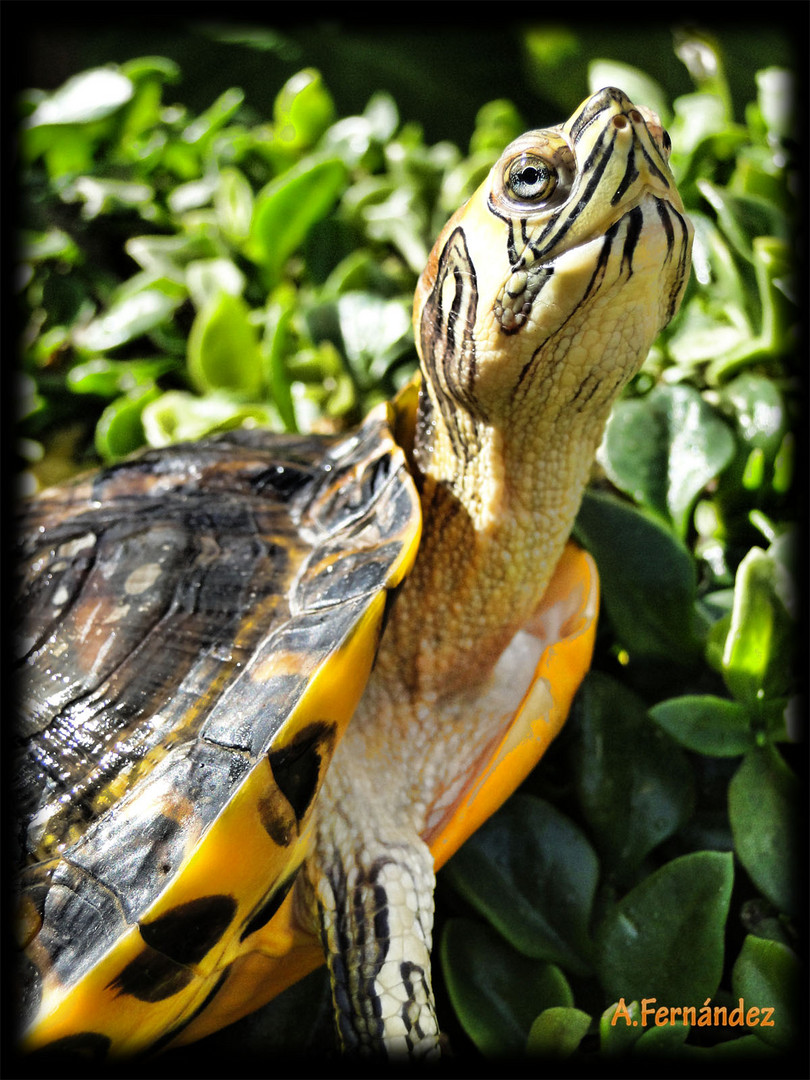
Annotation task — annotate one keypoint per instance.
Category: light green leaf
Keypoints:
(287, 208)
(223, 348)
(640, 87)
(130, 317)
(120, 428)
(84, 98)
(178, 416)
(557, 1032)
(758, 650)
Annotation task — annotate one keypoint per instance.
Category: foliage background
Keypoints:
(678, 747)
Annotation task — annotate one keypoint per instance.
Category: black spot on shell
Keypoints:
(296, 767)
(268, 909)
(187, 932)
(88, 1045)
(151, 977)
(277, 817)
(167, 1036)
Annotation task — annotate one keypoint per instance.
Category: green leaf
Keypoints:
(120, 429)
(664, 1041)
(374, 332)
(532, 874)
(706, 724)
(758, 650)
(640, 87)
(766, 978)
(223, 349)
(206, 278)
(776, 95)
(763, 809)
(178, 416)
(634, 783)
(743, 217)
(759, 412)
(663, 449)
(126, 319)
(557, 1032)
(86, 97)
(108, 378)
(496, 992)
(302, 111)
(648, 578)
(287, 208)
(233, 200)
(619, 1027)
(664, 939)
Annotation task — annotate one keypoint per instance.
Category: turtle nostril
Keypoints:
(620, 122)
(635, 116)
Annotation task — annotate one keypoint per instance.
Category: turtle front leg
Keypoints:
(376, 917)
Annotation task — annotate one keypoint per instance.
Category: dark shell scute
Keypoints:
(189, 931)
(85, 1045)
(267, 909)
(297, 766)
(151, 976)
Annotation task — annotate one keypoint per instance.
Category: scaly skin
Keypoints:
(530, 318)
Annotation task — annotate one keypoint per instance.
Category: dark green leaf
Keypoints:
(496, 992)
(648, 578)
(664, 939)
(533, 874)
(766, 977)
(706, 724)
(634, 783)
(763, 807)
(663, 449)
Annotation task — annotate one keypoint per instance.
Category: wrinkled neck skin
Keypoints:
(495, 523)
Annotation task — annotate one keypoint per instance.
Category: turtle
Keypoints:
(270, 683)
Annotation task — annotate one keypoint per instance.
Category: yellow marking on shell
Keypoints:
(236, 856)
(283, 953)
(142, 578)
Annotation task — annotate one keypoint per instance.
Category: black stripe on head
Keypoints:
(635, 223)
(630, 174)
(448, 344)
(666, 211)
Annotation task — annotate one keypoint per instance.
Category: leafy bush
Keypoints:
(181, 274)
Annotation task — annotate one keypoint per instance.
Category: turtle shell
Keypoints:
(197, 626)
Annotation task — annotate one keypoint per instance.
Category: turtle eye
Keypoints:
(530, 179)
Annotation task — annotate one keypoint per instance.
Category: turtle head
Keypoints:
(546, 289)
